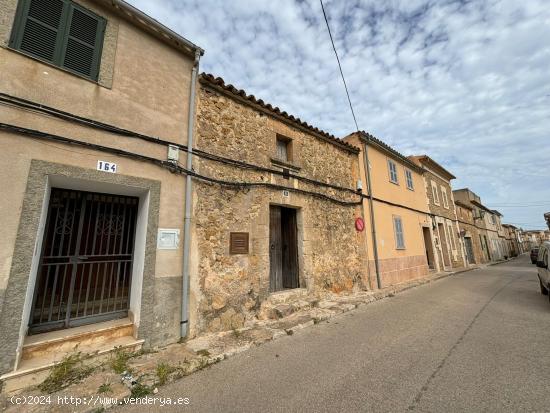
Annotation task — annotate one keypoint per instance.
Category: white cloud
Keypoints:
(466, 82)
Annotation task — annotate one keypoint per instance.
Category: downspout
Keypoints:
(371, 209)
(184, 323)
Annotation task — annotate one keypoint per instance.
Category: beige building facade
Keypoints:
(401, 244)
(85, 142)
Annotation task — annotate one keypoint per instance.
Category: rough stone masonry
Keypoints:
(230, 288)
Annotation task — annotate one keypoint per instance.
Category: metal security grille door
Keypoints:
(85, 268)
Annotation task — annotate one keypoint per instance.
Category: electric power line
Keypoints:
(339, 65)
(519, 206)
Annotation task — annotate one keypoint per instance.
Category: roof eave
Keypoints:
(230, 91)
(436, 165)
(370, 139)
(152, 26)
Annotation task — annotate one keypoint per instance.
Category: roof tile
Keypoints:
(207, 78)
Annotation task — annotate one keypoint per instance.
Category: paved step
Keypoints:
(63, 341)
(41, 352)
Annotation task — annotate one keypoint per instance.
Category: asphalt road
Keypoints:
(476, 341)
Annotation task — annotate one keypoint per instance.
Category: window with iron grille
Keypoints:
(60, 32)
(409, 177)
(398, 229)
(392, 167)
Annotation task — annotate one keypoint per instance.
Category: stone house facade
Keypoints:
(479, 213)
(401, 244)
(89, 192)
(290, 202)
(495, 234)
(469, 234)
(511, 237)
(437, 179)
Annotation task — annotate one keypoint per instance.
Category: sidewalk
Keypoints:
(140, 374)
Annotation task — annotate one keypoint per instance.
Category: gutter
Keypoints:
(371, 210)
(184, 323)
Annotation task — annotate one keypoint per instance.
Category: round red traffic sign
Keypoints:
(359, 224)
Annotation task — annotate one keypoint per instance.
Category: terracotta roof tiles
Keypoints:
(220, 84)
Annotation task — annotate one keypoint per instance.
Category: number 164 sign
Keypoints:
(106, 166)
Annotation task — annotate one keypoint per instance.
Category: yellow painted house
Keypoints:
(396, 213)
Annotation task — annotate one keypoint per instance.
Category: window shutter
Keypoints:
(83, 42)
(60, 32)
(398, 227)
(38, 30)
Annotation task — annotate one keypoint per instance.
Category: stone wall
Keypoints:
(446, 216)
(439, 209)
(466, 225)
(230, 288)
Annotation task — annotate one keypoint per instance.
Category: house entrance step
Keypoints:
(67, 340)
(43, 351)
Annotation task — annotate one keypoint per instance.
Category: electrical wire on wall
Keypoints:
(50, 111)
(175, 168)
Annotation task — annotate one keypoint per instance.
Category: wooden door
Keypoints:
(283, 249)
(469, 250)
(275, 249)
(290, 248)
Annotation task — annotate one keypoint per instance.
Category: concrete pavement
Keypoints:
(475, 341)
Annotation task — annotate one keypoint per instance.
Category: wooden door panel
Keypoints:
(290, 249)
(275, 249)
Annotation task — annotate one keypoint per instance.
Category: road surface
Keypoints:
(475, 341)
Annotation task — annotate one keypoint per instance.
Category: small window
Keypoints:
(409, 177)
(398, 229)
(392, 167)
(444, 197)
(434, 193)
(284, 149)
(60, 32)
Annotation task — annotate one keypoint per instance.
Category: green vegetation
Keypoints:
(105, 388)
(70, 370)
(163, 371)
(119, 363)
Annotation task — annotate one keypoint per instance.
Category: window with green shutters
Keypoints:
(60, 32)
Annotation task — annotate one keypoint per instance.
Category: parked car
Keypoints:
(534, 255)
(542, 264)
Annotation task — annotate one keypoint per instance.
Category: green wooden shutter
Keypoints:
(83, 41)
(60, 32)
(38, 28)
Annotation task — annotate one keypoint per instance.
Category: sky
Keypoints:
(466, 82)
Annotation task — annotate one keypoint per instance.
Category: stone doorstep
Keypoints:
(281, 297)
(33, 371)
(63, 341)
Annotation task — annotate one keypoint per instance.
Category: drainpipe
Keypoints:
(184, 324)
(371, 208)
